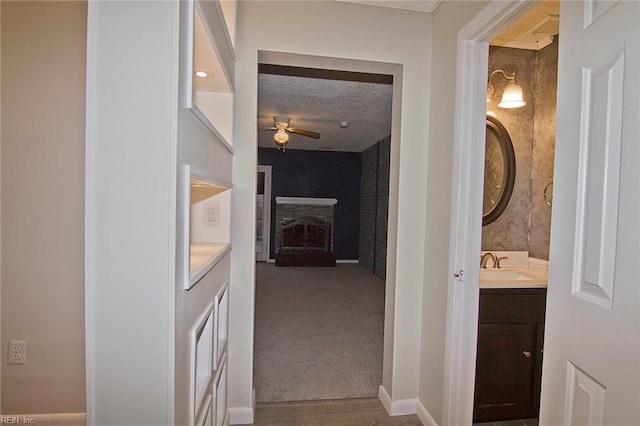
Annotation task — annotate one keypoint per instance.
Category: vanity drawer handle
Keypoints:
(526, 354)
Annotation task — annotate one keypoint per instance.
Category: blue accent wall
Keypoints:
(326, 174)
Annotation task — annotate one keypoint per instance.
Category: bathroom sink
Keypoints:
(520, 276)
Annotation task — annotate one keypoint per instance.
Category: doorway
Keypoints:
(516, 217)
(466, 226)
(263, 214)
(316, 170)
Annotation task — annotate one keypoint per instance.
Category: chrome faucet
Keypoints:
(485, 257)
(497, 265)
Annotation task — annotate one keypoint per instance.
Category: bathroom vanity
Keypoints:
(510, 337)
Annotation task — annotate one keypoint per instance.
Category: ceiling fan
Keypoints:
(281, 126)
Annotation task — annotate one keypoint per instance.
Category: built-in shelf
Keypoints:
(221, 321)
(210, 97)
(204, 224)
(203, 257)
(201, 352)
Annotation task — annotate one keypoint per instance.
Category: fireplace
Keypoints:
(304, 231)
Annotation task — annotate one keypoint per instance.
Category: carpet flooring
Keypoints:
(318, 333)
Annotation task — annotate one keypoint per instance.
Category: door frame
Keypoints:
(266, 215)
(463, 290)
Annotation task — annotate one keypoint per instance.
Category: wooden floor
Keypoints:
(336, 412)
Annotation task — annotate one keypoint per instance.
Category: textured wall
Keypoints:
(511, 230)
(525, 223)
(544, 137)
(374, 207)
(368, 183)
(299, 173)
(382, 208)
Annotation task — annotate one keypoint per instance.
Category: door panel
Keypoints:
(591, 353)
(504, 375)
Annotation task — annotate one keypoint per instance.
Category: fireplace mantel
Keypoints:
(304, 201)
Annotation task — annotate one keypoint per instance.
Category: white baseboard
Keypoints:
(54, 419)
(243, 415)
(384, 398)
(240, 415)
(403, 407)
(397, 408)
(424, 416)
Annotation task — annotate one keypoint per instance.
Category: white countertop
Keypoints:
(516, 272)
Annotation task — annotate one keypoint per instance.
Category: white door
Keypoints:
(263, 214)
(591, 373)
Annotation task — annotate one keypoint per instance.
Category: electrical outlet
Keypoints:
(17, 352)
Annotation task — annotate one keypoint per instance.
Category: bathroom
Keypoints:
(516, 227)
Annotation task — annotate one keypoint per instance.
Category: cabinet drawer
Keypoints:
(512, 305)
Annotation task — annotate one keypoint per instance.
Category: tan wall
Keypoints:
(42, 178)
(448, 19)
(377, 38)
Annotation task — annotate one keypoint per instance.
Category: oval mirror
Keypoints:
(499, 170)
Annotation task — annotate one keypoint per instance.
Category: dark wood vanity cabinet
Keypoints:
(509, 354)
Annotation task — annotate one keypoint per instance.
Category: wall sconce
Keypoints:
(513, 95)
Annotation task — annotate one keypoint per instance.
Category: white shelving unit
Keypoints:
(184, 150)
(204, 196)
(205, 214)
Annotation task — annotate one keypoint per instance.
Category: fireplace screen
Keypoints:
(304, 241)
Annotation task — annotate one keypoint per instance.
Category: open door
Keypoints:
(591, 349)
(263, 214)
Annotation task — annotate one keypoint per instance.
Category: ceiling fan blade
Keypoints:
(306, 133)
(267, 128)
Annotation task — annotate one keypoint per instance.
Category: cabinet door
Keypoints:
(505, 367)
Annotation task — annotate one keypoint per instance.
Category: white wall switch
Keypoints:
(17, 352)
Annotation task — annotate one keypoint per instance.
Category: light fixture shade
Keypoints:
(513, 96)
(281, 137)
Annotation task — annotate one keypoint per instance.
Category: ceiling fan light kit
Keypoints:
(281, 137)
(281, 126)
(281, 122)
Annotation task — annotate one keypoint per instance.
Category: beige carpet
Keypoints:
(319, 333)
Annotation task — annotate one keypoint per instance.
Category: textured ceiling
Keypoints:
(319, 105)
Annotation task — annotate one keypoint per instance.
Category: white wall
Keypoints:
(337, 30)
(43, 100)
(132, 96)
(448, 19)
